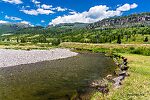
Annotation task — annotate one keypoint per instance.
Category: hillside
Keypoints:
(142, 19)
(12, 27)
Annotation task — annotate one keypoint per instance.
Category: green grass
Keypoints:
(137, 85)
(142, 49)
(25, 46)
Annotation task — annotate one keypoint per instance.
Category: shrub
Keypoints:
(131, 48)
(142, 51)
(55, 42)
(146, 39)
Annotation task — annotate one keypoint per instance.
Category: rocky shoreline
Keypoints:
(119, 75)
(10, 57)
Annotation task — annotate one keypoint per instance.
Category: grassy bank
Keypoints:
(137, 85)
(142, 49)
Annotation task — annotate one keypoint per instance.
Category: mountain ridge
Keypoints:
(12, 27)
(123, 21)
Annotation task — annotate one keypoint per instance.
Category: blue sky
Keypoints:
(45, 12)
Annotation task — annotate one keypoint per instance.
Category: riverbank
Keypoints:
(10, 57)
(137, 85)
(142, 49)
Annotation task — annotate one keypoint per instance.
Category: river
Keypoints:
(53, 80)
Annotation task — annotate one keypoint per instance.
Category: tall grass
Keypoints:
(141, 49)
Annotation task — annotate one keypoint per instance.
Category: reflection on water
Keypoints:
(51, 80)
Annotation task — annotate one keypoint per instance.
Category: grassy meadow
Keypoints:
(142, 49)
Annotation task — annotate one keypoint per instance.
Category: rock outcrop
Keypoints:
(125, 21)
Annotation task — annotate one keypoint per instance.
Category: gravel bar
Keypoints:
(9, 57)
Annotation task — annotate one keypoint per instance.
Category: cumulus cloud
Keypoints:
(134, 5)
(30, 12)
(44, 6)
(94, 14)
(12, 18)
(43, 11)
(13, 1)
(127, 7)
(72, 12)
(36, 2)
(60, 9)
(3, 22)
(37, 11)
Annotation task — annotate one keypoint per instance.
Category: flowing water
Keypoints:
(53, 80)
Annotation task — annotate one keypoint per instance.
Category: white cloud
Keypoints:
(72, 12)
(30, 12)
(36, 2)
(127, 7)
(43, 11)
(3, 22)
(60, 9)
(94, 14)
(134, 5)
(42, 21)
(44, 6)
(13, 1)
(37, 11)
(12, 18)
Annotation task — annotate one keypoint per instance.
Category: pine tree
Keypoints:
(119, 39)
(146, 39)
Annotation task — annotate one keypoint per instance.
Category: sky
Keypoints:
(53, 12)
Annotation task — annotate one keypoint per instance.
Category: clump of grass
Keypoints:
(141, 50)
(102, 50)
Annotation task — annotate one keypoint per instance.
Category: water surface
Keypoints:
(53, 80)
